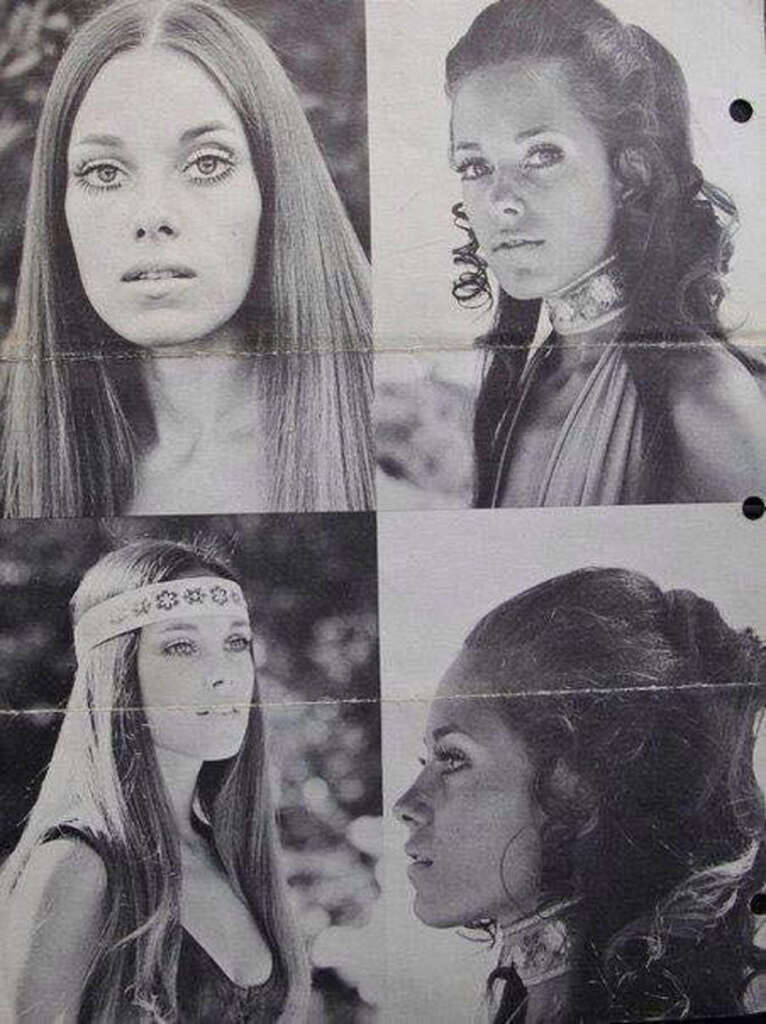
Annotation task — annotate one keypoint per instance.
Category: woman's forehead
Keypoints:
(516, 96)
(178, 92)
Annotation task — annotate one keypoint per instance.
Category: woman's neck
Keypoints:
(587, 315)
(202, 391)
(539, 946)
(179, 774)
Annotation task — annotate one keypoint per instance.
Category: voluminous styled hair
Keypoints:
(104, 782)
(673, 230)
(638, 709)
(76, 418)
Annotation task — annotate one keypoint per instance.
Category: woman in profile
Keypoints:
(146, 884)
(571, 134)
(192, 328)
(597, 811)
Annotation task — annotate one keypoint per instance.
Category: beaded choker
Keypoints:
(539, 947)
(156, 602)
(591, 301)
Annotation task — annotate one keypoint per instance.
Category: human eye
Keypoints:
(450, 759)
(473, 168)
(237, 643)
(179, 648)
(542, 155)
(99, 175)
(209, 166)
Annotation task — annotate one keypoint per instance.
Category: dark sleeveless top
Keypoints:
(205, 993)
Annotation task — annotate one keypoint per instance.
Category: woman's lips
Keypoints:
(156, 272)
(223, 710)
(515, 244)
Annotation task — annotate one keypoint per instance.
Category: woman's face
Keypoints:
(196, 679)
(474, 828)
(537, 184)
(162, 201)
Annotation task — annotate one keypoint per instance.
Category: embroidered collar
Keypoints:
(594, 299)
(539, 946)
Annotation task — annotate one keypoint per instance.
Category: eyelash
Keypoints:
(212, 179)
(474, 168)
(87, 168)
(81, 174)
(450, 759)
(185, 648)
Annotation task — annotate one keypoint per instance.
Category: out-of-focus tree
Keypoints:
(321, 46)
(423, 442)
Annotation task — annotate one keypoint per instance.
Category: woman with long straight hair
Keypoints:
(146, 885)
(192, 324)
(571, 134)
(588, 798)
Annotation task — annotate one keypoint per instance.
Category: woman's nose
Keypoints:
(505, 195)
(153, 228)
(413, 807)
(155, 218)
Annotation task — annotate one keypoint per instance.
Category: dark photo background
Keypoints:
(310, 582)
(321, 46)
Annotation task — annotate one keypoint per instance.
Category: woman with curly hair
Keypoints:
(571, 133)
(146, 885)
(192, 325)
(594, 805)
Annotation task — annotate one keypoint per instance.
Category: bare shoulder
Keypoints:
(55, 917)
(68, 871)
(718, 407)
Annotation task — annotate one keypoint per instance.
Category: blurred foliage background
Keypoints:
(423, 435)
(321, 44)
(310, 582)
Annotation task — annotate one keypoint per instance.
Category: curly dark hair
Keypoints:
(642, 746)
(673, 230)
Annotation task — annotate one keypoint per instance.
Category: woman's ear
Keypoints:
(571, 791)
(633, 173)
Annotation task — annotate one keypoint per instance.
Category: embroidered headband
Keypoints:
(191, 598)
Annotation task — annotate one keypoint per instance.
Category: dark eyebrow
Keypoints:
(204, 129)
(526, 134)
(443, 730)
(172, 626)
(115, 142)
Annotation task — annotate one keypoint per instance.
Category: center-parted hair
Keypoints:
(75, 415)
(104, 782)
(642, 750)
(673, 230)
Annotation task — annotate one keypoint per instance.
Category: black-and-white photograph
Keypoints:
(184, 281)
(567, 225)
(574, 764)
(191, 786)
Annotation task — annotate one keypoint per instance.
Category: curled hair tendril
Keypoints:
(471, 287)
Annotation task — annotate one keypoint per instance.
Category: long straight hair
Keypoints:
(76, 416)
(104, 781)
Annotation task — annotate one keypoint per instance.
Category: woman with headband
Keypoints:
(596, 811)
(192, 325)
(146, 885)
(570, 132)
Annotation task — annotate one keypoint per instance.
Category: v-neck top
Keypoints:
(599, 454)
(205, 994)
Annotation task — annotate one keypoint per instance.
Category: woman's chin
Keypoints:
(436, 917)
